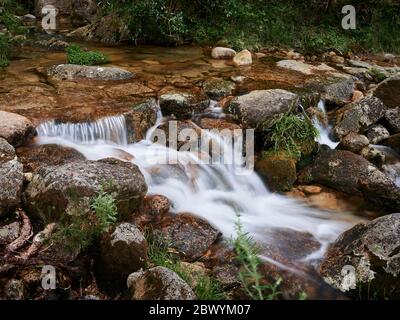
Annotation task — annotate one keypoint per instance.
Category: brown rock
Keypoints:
(15, 129)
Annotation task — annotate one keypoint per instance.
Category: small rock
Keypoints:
(293, 55)
(9, 233)
(222, 53)
(311, 189)
(359, 64)
(122, 251)
(373, 155)
(238, 79)
(218, 88)
(28, 18)
(354, 142)
(388, 92)
(357, 95)
(393, 142)
(392, 120)
(15, 129)
(158, 283)
(377, 133)
(14, 290)
(337, 59)
(243, 58)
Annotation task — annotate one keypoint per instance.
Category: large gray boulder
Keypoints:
(350, 173)
(158, 283)
(15, 129)
(11, 178)
(78, 72)
(123, 250)
(365, 260)
(259, 109)
(357, 117)
(70, 188)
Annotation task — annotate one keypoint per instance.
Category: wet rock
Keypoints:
(182, 103)
(9, 233)
(259, 109)
(337, 90)
(377, 133)
(152, 210)
(46, 155)
(358, 116)
(354, 142)
(304, 68)
(243, 58)
(278, 170)
(359, 64)
(15, 129)
(11, 178)
(69, 188)
(53, 44)
(219, 124)
(110, 29)
(14, 290)
(364, 261)
(393, 142)
(227, 275)
(373, 155)
(158, 283)
(191, 236)
(83, 12)
(350, 173)
(76, 72)
(28, 19)
(392, 120)
(170, 128)
(222, 53)
(122, 251)
(140, 119)
(388, 92)
(218, 88)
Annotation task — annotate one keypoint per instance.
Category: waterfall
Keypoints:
(109, 130)
(214, 192)
(324, 130)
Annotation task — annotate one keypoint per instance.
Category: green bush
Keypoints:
(4, 51)
(75, 55)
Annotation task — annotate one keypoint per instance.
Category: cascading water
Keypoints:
(214, 192)
(324, 130)
(392, 163)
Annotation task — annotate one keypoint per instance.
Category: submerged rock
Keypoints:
(11, 178)
(15, 129)
(182, 103)
(122, 251)
(259, 109)
(388, 92)
(191, 236)
(78, 72)
(158, 283)
(358, 116)
(218, 88)
(222, 53)
(243, 58)
(352, 174)
(365, 260)
(70, 188)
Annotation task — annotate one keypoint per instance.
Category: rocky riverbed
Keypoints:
(69, 133)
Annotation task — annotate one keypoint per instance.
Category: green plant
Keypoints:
(160, 254)
(247, 254)
(290, 133)
(81, 230)
(4, 51)
(76, 55)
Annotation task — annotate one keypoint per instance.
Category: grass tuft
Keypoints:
(75, 55)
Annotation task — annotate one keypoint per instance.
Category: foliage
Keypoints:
(160, 253)
(311, 25)
(4, 51)
(76, 55)
(82, 230)
(252, 280)
(289, 133)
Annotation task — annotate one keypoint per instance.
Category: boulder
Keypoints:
(182, 103)
(259, 109)
(11, 178)
(243, 58)
(190, 235)
(158, 283)
(377, 133)
(354, 142)
(70, 188)
(78, 72)
(392, 120)
(222, 53)
(393, 142)
(358, 116)
(9, 233)
(388, 91)
(350, 173)
(122, 251)
(15, 129)
(365, 260)
(218, 88)
(303, 68)
(373, 155)
(278, 169)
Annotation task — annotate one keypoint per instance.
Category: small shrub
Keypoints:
(75, 55)
(247, 252)
(289, 134)
(4, 51)
(160, 254)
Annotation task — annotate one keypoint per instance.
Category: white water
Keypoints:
(392, 163)
(323, 130)
(213, 192)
